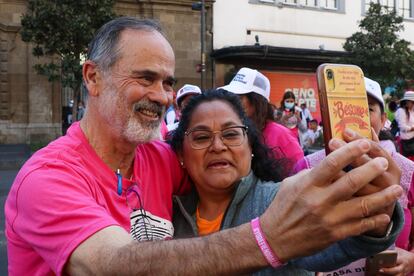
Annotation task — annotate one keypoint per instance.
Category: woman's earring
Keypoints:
(252, 155)
(182, 164)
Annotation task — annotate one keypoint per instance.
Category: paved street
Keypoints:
(6, 179)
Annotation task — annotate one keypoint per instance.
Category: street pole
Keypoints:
(202, 39)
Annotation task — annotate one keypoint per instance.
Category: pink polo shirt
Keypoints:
(65, 193)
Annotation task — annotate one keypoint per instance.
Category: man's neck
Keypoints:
(116, 152)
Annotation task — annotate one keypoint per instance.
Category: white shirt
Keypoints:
(310, 136)
(306, 114)
(405, 124)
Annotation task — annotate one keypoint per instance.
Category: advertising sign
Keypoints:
(303, 85)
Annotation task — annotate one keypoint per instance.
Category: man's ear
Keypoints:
(91, 77)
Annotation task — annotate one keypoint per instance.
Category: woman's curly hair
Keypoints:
(265, 165)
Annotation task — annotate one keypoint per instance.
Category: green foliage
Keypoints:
(63, 29)
(378, 50)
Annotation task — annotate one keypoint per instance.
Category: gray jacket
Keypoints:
(251, 199)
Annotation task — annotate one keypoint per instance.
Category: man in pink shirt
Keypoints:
(80, 205)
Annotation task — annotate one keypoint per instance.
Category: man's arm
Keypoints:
(311, 211)
(112, 251)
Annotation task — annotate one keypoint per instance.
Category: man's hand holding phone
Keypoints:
(390, 177)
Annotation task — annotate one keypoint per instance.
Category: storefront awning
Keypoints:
(276, 58)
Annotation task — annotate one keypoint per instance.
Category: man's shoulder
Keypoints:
(67, 153)
(62, 150)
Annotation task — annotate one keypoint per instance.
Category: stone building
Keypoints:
(31, 107)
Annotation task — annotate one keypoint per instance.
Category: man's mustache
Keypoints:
(150, 106)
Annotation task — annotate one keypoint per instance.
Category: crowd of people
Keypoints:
(229, 191)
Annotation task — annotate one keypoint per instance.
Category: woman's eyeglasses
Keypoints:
(231, 137)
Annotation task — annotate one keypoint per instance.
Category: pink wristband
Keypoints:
(267, 251)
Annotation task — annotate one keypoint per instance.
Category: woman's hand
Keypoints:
(404, 266)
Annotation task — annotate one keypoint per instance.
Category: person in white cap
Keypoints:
(405, 118)
(254, 90)
(184, 94)
(405, 260)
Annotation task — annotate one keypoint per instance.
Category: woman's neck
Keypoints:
(211, 206)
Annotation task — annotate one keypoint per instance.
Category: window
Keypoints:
(290, 2)
(330, 4)
(309, 3)
(404, 8)
(335, 5)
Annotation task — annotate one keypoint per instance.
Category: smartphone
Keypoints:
(383, 259)
(343, 101)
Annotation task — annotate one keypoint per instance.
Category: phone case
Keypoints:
(384, 259)
(343, 101)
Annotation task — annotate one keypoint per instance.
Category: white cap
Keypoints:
(374, 90)
(408, 96)
(249, 80)
(187, 89)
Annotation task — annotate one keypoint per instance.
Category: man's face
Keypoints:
(138, 87)
(377, 118)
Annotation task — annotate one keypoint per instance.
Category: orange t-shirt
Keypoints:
(206, 227)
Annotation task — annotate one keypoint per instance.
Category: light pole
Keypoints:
(200, 6)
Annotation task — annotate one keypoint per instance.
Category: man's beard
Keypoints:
(131, 128)
(138, 131)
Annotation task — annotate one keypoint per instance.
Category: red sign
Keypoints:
(303, 85)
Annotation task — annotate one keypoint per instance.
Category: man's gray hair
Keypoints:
(104, 50)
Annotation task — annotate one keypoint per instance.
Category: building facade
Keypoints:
(288, 39)
(31, 107)
(285, 39)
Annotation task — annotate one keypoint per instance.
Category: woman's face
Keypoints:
(216, 168)
(289, 100)
(377, 118)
